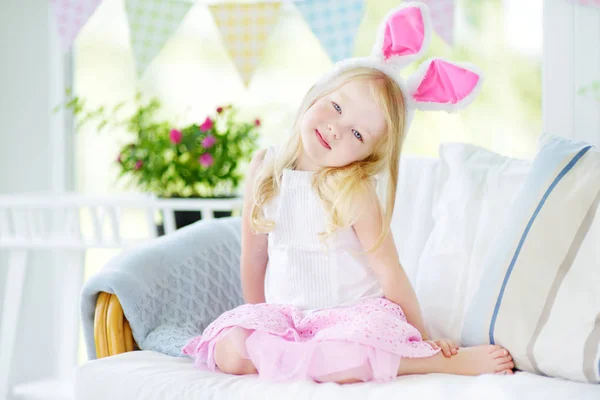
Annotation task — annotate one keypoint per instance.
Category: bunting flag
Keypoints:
(335, 23)
(442, 18)
(590, 3)
(71, 15)
(245, 29)
(151, 24)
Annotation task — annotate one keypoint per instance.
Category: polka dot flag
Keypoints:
(245, 29)
(71, 15)
(442, 18)
(151, 24)
(334, 23)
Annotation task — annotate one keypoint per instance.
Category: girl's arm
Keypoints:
(385, 263)
(254, 246)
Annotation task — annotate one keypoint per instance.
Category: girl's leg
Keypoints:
(231, 357)
(477, 360)
(230, 353)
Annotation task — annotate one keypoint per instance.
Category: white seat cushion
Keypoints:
(150, 375)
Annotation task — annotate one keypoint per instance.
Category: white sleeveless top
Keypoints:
(302, 271)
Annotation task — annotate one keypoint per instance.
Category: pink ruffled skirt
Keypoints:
(365, 341)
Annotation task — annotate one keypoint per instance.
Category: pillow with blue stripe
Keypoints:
(539, 295)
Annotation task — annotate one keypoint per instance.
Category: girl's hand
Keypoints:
(448, 347)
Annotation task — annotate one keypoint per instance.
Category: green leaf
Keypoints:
(171, 169)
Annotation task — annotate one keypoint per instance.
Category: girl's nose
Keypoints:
(333, 132)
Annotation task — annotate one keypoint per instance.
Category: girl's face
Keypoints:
(341, 127)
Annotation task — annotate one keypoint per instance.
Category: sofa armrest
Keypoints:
(166, 290)
(112, 333)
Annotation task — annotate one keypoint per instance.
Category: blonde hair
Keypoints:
(341, 189)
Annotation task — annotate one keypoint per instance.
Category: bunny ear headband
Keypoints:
(402, 38)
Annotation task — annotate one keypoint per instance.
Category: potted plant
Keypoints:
(197, 160)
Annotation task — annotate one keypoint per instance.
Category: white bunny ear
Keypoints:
(441, 85)
(403, 36)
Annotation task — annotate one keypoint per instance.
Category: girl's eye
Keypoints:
(337, 107)
(357, 134)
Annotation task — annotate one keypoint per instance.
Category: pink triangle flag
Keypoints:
(442, 18)
(590, 3)
(70, 16)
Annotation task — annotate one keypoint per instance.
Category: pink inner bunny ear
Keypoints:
(404, 33)
(445, 82)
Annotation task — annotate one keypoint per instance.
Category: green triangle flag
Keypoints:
(151, 24)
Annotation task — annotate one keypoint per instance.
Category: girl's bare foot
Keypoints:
(477, 360)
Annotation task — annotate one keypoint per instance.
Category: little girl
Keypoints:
(327, 299)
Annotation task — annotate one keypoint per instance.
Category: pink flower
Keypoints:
(120, 158)
(138, 164)
(206, 160)
(257, 122)
(209, 142)
(219, 110)
(206, 125)
(175, 136)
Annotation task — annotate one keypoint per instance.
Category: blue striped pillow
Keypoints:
(539, 294)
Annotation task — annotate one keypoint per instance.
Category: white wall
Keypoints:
(571, 60)
(24, 97)
(31, 159)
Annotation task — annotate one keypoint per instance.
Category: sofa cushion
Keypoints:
(151, 375)
(473, 191)
(539, 295)
(411, 223)
(171, 288)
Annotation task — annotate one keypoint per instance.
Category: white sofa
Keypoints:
(151, 375)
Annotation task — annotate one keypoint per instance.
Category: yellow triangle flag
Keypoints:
(245, 29)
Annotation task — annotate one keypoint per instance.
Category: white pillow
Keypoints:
(475, 187)
(411, 223)
(539, 294)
